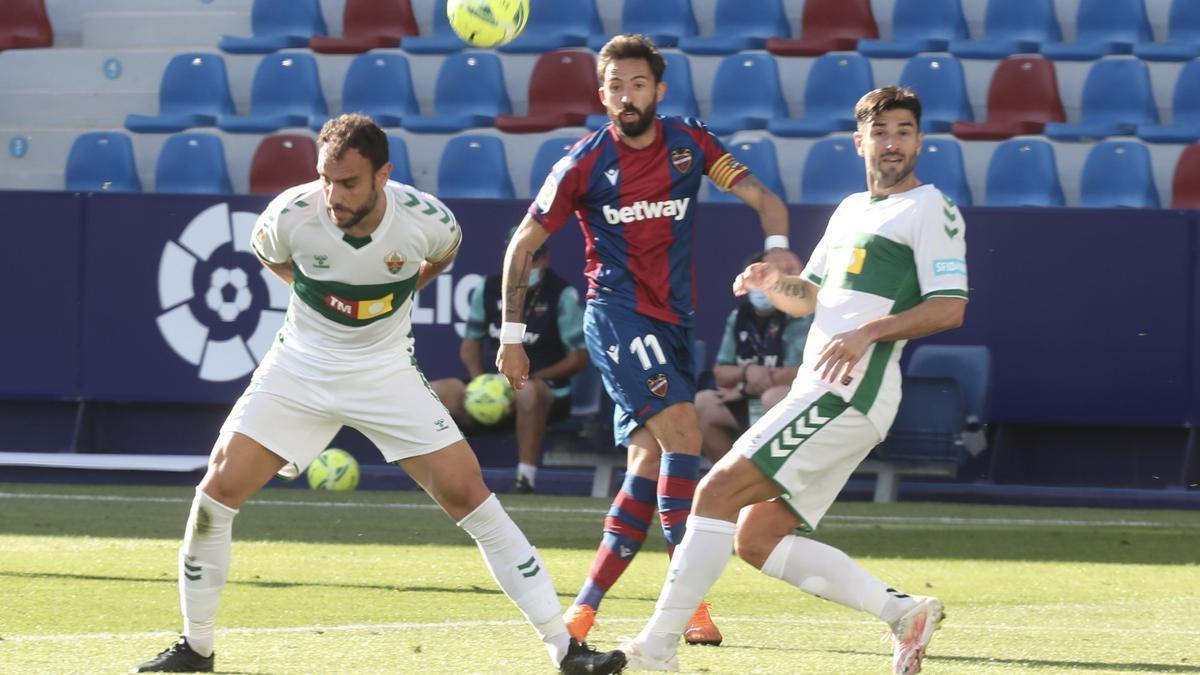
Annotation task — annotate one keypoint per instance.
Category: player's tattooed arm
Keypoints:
(774, 216)
(518, 261)
(790, 287)
(793, 294)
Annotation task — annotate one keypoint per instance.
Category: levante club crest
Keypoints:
(681, 159)
(394, 262)
(658, 385)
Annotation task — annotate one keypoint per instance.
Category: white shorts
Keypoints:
(294, 412)
(809, 444)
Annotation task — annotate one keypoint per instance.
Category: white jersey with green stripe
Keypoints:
(881, 256)
(352, 297)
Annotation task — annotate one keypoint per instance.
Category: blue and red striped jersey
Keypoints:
(636, 208)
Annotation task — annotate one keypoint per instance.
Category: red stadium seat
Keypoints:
(24, 25)
(367, 25)
(281, 161)
(828, 26)
(562, 93)
(1022, 97)
(1185, 189)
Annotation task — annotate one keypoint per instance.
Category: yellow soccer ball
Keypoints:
(334, 469)
(487, 23)
(489, 398)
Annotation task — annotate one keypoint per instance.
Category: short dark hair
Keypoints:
(358, 132)
(887, 98)
(631, 46)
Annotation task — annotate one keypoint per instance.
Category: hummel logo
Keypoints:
(950, 231)
(611, 175)
(614, 353)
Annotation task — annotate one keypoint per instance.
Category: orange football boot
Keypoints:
(579, 620)
(701, 630)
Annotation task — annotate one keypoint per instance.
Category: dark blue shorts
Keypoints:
(646, 364)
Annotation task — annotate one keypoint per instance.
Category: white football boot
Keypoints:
(912, 632)
(637, 658)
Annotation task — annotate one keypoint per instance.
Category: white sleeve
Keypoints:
(442, 232)
(940, 249)
(267, 239)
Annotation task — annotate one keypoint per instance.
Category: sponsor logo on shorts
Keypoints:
(440, 424)
(944, 266)
(658, 385)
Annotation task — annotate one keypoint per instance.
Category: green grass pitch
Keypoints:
(383, 582)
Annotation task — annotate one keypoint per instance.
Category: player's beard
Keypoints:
(356, 216)
(885, 176)
(640, 125)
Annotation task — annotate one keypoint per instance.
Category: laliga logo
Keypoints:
(221, 308)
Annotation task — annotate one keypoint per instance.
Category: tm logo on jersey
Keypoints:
(359, 309)
(642, 210)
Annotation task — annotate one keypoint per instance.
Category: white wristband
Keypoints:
(512, 333)
(775, 241)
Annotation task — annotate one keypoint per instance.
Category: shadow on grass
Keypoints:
(1053, 666)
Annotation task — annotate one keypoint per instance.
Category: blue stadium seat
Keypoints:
(919, 26)
(969, 365)
(548, 153)
(442, 40)
(1183, 35)
(664, 21)
(834, 85)
(474, 167)
(746, 94)
(1011, 27)
(556, 24)
(1185, 111)
(832, 171)
(398, 156)
(1118, 173)
(277, 24)
(941, 163)
(457, 107)
(680, 98)
(929, 424)
(194, 92)
(939, 81)
(286, 93)
(763, 161)
(102, 161)
(1023, 173)
(378, 85)
(1117, 97)
(743, 24)
(1103, 27)
(193, 164)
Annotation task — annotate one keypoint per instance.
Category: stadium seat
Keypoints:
(680, 98)
(548, 153)
(286, 93)
(834, 85)
(759, 155)
(832, 171)
(277, 24)
(1185, 186)
(828, 26)
(971, 367)
(556, 24)
(939, 81)
(398, 156)
(746, 94)
(1116, 98)
(194, 92)
(457, 107)
(1023, 173)
(474, 167)
(929, 423)
(742, 25)
(1103, 27)
(441, 40)
(282, 161)
(1011, 27)
(1183, 35)
(24, 25)
(664, 21)
(193, 164)
(102, 161)
(562, 93)
(1022, 98)
(941, 163)
(1118, 173)
(919, 26)
(380, 86)
(367, 25)
(1185, 111)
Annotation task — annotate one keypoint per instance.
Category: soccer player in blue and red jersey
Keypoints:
(633, 185)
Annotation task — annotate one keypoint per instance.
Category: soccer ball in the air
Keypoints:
(489, 398)
(487, 23)
(334, 469)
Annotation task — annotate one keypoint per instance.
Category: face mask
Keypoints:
(535, 275)
(760, 300)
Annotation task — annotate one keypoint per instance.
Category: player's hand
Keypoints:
(785, 260)
(758, 276)
(839, 356)
(513, 363)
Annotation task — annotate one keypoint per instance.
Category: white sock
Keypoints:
(203, 568)
(517, 567)
(529, 471)
(828, 573)
(697, 564)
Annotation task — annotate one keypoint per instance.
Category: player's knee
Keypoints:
(535, 396)
(753, 544)
(707, 402)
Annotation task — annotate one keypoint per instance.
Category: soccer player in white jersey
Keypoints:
(890, 267)
(354, 247)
